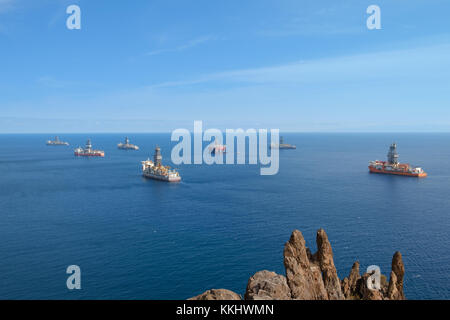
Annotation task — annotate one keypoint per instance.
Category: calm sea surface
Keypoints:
(142, 239)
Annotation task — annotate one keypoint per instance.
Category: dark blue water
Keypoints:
(136, 238)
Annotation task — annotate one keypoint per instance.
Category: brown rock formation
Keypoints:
(356, 287)
(314, 277)
(349, 285)
(217, 294)
(364, 292)
(304, 278)
(393, 293)
(329, 274)
(399, 269)
(354, 275)
(267, 285)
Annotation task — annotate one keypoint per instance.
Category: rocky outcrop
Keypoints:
(361, 287)
(393, 293)
(314, 277)
(398, 268)
(365, 291)
(217, 294)
(303, 276)
(349, 285)
(325, 261)
(395, 287)
(311, 276)
(267, 285)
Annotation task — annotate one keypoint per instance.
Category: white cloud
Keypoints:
(6, 5)
(402, 64)
(192, 43)
(49, 81)
(299, 19)
(336, 93)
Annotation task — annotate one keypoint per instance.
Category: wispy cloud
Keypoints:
(56, 83)
(334, 94)
(190, 44)
(6, 5)
(51, 82)
(298, 19)
(402, 64)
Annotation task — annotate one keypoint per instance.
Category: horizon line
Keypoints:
(161, 132)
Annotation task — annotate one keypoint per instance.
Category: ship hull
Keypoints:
(283, 146)
(162, 178)
(399, 173)
(287, 147)
(89, 154)
(214, 152)
(128, 148)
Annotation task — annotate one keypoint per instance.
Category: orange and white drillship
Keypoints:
(392, 166)
(87, 151)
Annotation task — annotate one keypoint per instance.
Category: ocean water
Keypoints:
(142, 239)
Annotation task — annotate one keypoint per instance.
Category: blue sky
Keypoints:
(296, 65)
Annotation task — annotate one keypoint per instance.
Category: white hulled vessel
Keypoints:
(155, 170)
(127, 145)
(57, 142)
(87, 151)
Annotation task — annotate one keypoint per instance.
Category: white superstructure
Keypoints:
(155, 170)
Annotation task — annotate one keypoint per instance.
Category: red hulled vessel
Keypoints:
(393, 166)
(87, 151)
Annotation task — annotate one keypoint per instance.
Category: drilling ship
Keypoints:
(217, 148)
(127, 145)
(282, 145)
(57, 142)
(87, 151)
(155, 170)
(393, 166)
